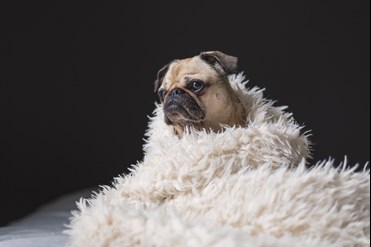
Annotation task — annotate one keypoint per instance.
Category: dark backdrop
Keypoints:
(77, 80)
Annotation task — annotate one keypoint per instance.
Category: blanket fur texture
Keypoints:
(241, 187)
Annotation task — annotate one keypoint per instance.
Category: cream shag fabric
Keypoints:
(242, 187)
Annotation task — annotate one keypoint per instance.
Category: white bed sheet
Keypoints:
(43, 228)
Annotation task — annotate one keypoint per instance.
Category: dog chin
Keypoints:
(179, 115)
(182, 119)
(183, 109)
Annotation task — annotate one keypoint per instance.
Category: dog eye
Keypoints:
(196, 86)
(162, 94)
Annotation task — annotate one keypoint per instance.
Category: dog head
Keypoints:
(195, 92)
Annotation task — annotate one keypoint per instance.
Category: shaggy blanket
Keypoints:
(241, 187)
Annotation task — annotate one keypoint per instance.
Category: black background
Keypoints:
(77, 80)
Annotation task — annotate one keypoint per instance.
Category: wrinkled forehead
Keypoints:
(190, 67)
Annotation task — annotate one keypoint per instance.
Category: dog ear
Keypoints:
(160, 76)
(220, 61)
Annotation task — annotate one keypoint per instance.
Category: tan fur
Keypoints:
(220, 104)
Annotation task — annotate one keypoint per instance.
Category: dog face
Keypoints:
(195, 92)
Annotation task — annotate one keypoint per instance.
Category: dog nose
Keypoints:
(176, 92)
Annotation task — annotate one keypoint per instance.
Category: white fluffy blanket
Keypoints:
(242, 187)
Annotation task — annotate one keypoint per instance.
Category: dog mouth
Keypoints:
(183, 111)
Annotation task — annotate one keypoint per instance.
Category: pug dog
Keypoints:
(196, 94)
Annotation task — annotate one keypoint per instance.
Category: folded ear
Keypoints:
(160, 76)
(220, 61)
